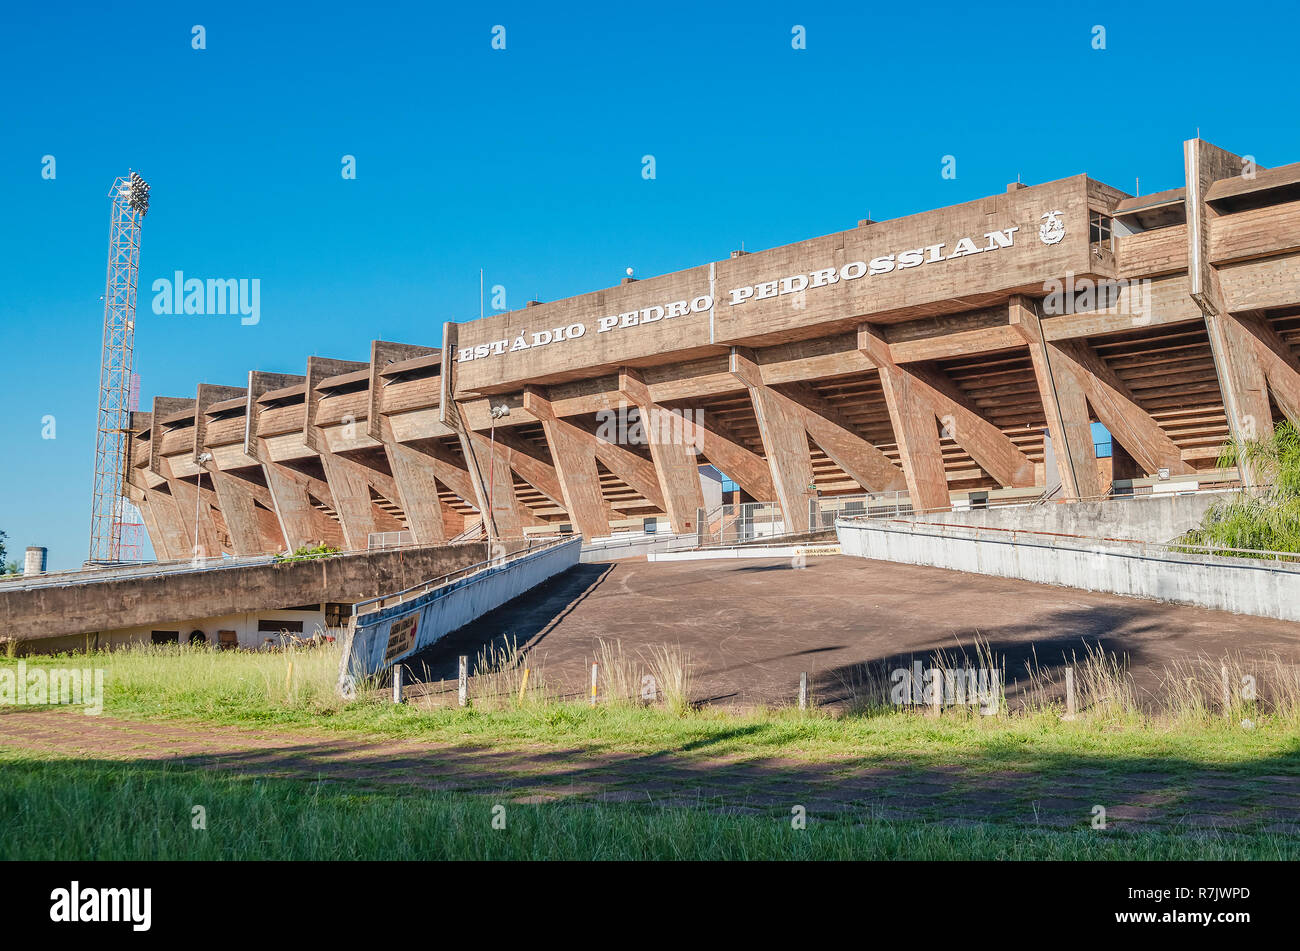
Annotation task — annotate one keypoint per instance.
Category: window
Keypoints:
(275, 627)
(166, 637)
(1100, 231)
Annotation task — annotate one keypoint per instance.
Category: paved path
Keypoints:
(1213, 802)
(752, 626)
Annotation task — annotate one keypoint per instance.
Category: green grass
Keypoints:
(294, 690)
(308, 552)
(141, 808)
(63, 809)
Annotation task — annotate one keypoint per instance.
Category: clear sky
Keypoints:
(527, 161)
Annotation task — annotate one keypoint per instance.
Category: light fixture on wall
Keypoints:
(500, 411)
(203, 459)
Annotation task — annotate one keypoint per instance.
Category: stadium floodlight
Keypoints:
(138, 194)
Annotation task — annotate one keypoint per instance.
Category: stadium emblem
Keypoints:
(1052, 230)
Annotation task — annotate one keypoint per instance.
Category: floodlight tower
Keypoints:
(130, 203)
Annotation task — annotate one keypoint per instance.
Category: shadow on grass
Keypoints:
(113, 810)
(1250, 807)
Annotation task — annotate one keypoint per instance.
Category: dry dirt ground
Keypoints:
(751, 627)
(1210, 802)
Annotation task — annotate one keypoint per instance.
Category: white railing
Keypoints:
(389, 600)
(732, 524)
(380, 540)
(823, 511)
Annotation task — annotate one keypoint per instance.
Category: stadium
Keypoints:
(935, 355)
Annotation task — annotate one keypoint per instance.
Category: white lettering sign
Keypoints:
(763, 290)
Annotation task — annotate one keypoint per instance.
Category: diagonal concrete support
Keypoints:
(989, 446)
(416, 484)
(1114, 405)
(833, 432)
(1279, 364)
(253, 530)
(721, 447)
(573, 451)
(785, 442)
(1065, 406)
(302, 523)
(672, 449)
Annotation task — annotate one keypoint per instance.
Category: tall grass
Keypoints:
(1103, 684)
(622, 675)
(204, 678)
(499, 677)
(301, 685)
(1189, 690)
(1266, 519)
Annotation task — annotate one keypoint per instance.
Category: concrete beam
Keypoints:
(785, 442)
(573, 450)
(672, 449)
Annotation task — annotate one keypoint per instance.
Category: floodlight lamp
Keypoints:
(138, 194)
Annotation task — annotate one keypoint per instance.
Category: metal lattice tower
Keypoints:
(130, 198)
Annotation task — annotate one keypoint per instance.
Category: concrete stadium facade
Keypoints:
(962, 350)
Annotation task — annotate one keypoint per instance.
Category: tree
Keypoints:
(1265, 519)
(7, 567)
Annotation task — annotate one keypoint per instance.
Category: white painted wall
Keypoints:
(1239, 585)
(244, 625)
(453, 605)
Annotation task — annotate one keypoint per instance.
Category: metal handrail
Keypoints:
(425, 586)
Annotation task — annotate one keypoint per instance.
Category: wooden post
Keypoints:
(1069, 693)
(523, 685)
(803, 690)
(937, 699)
(397, 684)
(464, 680)
(1227, 692)
(594, 671)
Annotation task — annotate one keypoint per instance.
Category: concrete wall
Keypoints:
(215, 592)
(634, 546)
(1145, 518)
(1242, 586)
(749, 551)
(452, 606)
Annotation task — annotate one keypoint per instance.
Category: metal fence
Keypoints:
(733, 524)
(380, 540)
(822, 512)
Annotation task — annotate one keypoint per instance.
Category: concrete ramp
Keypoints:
(392, 628)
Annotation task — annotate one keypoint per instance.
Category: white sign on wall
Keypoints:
(1052, 231)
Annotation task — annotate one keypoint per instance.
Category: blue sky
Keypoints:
(526, 162)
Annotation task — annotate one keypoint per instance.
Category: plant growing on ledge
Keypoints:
(307, 552)
(1266, 519)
